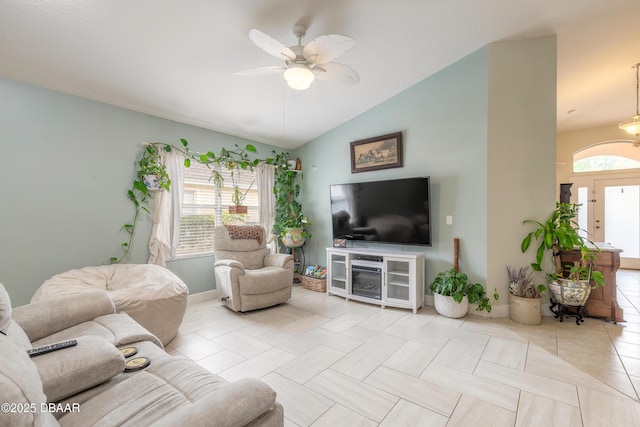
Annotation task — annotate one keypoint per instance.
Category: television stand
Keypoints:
(385, 278)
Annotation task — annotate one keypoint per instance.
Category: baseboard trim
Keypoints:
(202, 297)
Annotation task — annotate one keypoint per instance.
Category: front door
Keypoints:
(616, 217)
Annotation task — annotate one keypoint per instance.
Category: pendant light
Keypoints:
(633, 127)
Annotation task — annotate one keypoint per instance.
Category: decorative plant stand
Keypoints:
(560, 310)
(298, 262)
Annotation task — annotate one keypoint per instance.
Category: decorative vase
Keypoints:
(570, 292)
(152, 182)
(237, 209)
(525, 310)
(292, 237)
(448, 307)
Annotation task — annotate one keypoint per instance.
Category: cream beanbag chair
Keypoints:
(152, 295)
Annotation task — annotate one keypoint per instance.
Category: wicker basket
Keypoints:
(318, 285)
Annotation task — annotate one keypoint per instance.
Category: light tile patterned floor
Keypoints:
(343, 363)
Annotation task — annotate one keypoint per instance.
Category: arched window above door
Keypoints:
(607, 156)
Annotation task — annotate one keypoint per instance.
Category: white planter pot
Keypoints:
(152, 182)
(525, 310)
(448, 307)
(569, 292)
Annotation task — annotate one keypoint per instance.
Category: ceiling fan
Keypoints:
(302, 64)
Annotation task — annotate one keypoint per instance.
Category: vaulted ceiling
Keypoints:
(177, 59)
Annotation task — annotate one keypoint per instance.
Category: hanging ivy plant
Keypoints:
(288, 209)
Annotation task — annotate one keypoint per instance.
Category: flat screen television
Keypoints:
(392, 211)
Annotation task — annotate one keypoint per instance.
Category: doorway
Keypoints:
(616, 217)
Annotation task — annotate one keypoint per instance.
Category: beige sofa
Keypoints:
(247, 276)
(86, 385)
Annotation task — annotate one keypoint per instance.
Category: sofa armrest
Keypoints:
(229, 263)
(43, 318)
(236, 404)
(71, 370)
(279, 260)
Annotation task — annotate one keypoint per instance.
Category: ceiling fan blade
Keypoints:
(260, 71)
(271, 45)
(334, 72)
(326, 48)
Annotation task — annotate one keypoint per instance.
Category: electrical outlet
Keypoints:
(449, 219)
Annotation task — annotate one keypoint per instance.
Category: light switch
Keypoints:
(449, 219)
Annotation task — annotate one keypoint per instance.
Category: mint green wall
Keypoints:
(65, 166)
(484, 130)
(443, 121)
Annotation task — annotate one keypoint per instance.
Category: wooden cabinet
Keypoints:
(602, 301)
(394, 279)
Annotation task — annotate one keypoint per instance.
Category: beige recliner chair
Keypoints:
(247, 276)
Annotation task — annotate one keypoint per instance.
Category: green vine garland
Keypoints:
(288, 209)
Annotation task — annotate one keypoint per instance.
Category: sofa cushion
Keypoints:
(5, 310)
(44, 318)
(145, 348)
(168, 386)
(250, 260)
(21, 387)
(7, 326)
(265, 280)
(71, 370)
(119, 329)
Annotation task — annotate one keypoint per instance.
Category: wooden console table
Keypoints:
(603, 301)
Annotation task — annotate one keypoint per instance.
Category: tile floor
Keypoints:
(343, 363)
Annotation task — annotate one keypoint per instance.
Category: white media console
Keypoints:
(393, 279)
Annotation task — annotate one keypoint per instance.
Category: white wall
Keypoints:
(521, 150)
(573, 141)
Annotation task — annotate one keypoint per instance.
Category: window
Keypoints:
(607, 156)
(203, 208)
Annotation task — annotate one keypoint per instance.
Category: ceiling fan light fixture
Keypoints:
(633, 127)
(298, 77)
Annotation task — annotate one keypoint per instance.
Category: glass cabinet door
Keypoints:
(338, 272)
(398, 279)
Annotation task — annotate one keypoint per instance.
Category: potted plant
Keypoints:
(238, 196)
(524, 296)
(290, 223)
(152, 172)
(575, 288)
(560, 232)
(453, 293)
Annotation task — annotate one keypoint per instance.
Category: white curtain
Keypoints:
(265, 178)
(165, 232)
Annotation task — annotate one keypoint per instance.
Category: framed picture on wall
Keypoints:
(381, 152)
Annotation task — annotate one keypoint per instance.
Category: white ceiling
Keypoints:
(176, 59)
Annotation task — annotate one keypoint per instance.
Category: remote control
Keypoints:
(51, 347)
